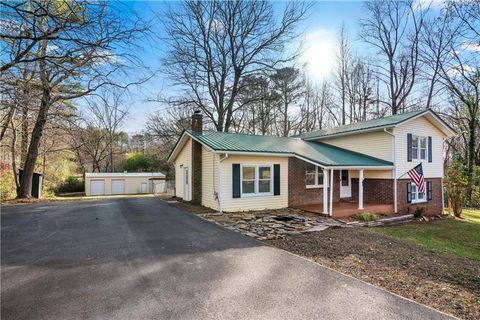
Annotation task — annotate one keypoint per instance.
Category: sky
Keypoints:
(319, 32)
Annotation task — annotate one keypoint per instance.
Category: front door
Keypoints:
(345, 184)
(186, 186)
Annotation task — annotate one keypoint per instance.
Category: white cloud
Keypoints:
(471, 46)
(319, 54)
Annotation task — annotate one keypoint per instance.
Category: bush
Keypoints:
(419, 212)
(71, 184)
(456, 184)
(365, 217)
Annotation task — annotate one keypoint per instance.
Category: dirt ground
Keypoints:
(447, 283)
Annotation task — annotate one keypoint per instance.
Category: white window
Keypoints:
(419, 148)
(417, 197)
(256, 179)
(313, 176)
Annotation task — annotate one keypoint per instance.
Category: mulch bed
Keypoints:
(447, 283)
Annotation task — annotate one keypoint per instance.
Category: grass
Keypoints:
(452, 236)
(365, 217)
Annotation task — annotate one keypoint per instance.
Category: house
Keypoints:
(124, 183)
(360, 167)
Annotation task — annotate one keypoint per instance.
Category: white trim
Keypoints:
(256, 180)
(436, 117)
(325, 192)
(348, 133)
(330, 212)
(395, 196)
(360, 189)
(317, 184)
(361, 167)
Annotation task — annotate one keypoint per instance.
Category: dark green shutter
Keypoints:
(409, 147)
(429, 149)
(429, 190)
(276, 179)
(236, 180)
(409, 192)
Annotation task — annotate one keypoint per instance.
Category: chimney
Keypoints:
(197, 121)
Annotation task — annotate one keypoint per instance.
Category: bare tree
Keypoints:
(393, 28)
(343, 60)
(459, 71)
(214, 44)
(83, 46)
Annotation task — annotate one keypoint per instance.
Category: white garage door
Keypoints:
(97, 187)
(118, 186)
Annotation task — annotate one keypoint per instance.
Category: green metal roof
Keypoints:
(359, 126)
(320, 153)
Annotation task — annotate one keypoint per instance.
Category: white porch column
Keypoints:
(331, 193)
(360, 189)
(325, 191)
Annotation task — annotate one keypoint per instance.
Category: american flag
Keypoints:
(417, 176)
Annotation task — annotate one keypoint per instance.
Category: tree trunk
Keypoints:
(471, 157)
(25, 190)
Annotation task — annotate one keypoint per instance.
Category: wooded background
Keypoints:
(67, 67)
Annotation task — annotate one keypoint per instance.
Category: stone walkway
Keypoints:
(272, 224)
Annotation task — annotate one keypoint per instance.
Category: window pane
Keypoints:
(264, 186)
(320, 176)
(248, 186)
(309, 167)
(423, 153)
(421, 196)
(345, 181)
(310, 179)
(264, 172)
(423, 142)
(415, 142)
(248, 173)
(414, 153)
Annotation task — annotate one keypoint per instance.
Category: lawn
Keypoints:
(452, 236)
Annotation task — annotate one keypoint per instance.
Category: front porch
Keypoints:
(341, 191)
(346, 209)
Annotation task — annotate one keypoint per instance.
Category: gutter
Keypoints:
(395, 206)
(219, 172)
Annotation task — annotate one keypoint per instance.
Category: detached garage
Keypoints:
(99, 184)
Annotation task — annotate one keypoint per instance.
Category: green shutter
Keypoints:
(276, 179)
(236, 180)
(429, 149)
(409, 147)
(429, 190)
(409, 192)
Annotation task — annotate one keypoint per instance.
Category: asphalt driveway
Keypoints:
(144, 259)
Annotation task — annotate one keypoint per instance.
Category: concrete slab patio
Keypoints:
(144, 259)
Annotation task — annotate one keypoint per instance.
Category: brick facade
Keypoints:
(298, 193)
(379, 191)
(197, 125)
(432, 207)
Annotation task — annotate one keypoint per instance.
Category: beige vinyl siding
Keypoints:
(244, 203)
(132, 185)
(377, 144)
(420, 127)
(184, 159)
(373, 174)
(209, 178)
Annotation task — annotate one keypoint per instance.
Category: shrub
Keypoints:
(365, 217)
(71, 184)
(456, 183)
(419, 212)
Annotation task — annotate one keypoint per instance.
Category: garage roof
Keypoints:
(123, 174)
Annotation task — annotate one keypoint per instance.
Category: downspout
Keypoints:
(395, 206)
(219, 192)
